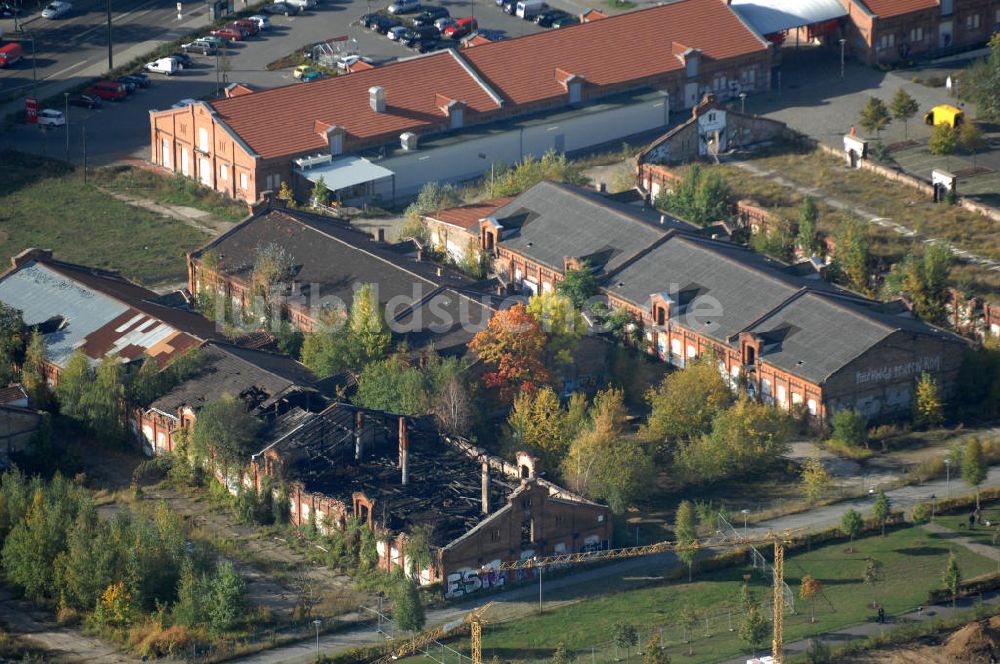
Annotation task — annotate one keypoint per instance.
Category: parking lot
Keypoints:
(121, 129)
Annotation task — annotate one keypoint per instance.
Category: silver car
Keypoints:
(56, 9)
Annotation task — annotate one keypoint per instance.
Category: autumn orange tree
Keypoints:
(512, 345)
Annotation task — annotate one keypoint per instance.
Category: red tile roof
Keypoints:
(620, 49)
(886, 8)
(467, 216)
(281, 121)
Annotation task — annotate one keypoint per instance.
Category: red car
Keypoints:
(461, 28)
(230, 32)
(107, 90)
(252, 28)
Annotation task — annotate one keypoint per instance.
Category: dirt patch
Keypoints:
(976, 642)
(902, 145)
(969, 172)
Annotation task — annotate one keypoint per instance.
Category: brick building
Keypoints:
(396, 475)
(267, 383)
(884, 31)
(454, 230)
(250, 143)
(98, 313)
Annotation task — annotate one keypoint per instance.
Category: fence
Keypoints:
(757, 560)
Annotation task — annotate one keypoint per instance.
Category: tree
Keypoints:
(903, 107)
(33, 376)
(74, 379)
(453, 407)
(808, 216)
(560, 656)
(684, 404)
(809, 588)
(952, 577)
(328, 349)
(982, 83)
(320, 195)
(226, 597)
(537, 422)
(689, 621)
(286, 194)
(393, 385)
(654, 652)
(408, 613)
(850, 427)
(578, 284)
(874, 116)
(563, 326)
(974, 466)
(921, 513)
(625, 637)
(815, 479)
(751, 435)
(686, 532)
(103, 401)
(851, 525)
(944, 140)
(924, 278)
(928, 411)
(226, 429)
(368, 327)
(971, 139)
(12, 337)
(754, 628)
(853, 253)
(873, 576)
(512, 346)
(702, 196)
(189, 609)
(881, 509)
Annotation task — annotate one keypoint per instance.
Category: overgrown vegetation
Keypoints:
(169, 189)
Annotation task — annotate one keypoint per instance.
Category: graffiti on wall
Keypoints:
(900, 371)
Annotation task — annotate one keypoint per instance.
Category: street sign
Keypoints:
(31, 110)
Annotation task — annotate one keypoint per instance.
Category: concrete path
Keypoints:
(985, 550)
(868, 216)
(203, 221)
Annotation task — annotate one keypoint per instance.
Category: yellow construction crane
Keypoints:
(474, 619)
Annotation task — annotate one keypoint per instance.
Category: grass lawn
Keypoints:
(44, 203)
(171, 190)
(959, 523)
(902, 204)
(913, 561)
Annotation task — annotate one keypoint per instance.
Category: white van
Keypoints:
(165, 66)
(301, 4)
(529, 9)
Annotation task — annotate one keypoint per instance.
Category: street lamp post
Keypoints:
(947, 470)
(110, 58)
(745, 513)
(933, 505)
(743, 102)
(316, 624)
(539, 585)
(842, 43)
(66, 117)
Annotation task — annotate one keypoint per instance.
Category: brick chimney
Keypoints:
(486, 488)
(404, 452)
(376, 98)
(359, 449)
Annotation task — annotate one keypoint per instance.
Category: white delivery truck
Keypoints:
(529, 9)
(165, 66)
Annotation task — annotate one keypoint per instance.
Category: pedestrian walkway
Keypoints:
(985, 550)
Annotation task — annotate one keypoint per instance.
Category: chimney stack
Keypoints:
(358, 443)
(486, 488)
(376, 98)
(404, 452)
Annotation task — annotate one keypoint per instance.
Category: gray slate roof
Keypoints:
(817, 334)
(720, 288)
(228, 369)
(551, 221)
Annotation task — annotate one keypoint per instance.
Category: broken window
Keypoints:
(527, 528)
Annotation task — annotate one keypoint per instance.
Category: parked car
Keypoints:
(443, 23)
(252, 28)
(424, 33)
(404, 6)
(202, 46)
(301, 4)
(165, 66)
(217, 42)
(345, 62)
(85, 101)
(382, 24)
(546, 18)
(185, 102)
(140, 80)
(107, 90)
(263, 22)
(50, 117)
(305, 72)
(130, 86)
(461, 28)
(281, 8)
(429, 15)
(509, 7)
(229, 32)
(183, 59)
(397, 32)
(10, 54)
(564, 21)
(424, 44)
(57, 9)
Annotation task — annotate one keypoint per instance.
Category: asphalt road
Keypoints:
(64, 46)
(121, 130)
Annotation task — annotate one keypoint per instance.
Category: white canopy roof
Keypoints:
(770, 16)
(345, 172)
